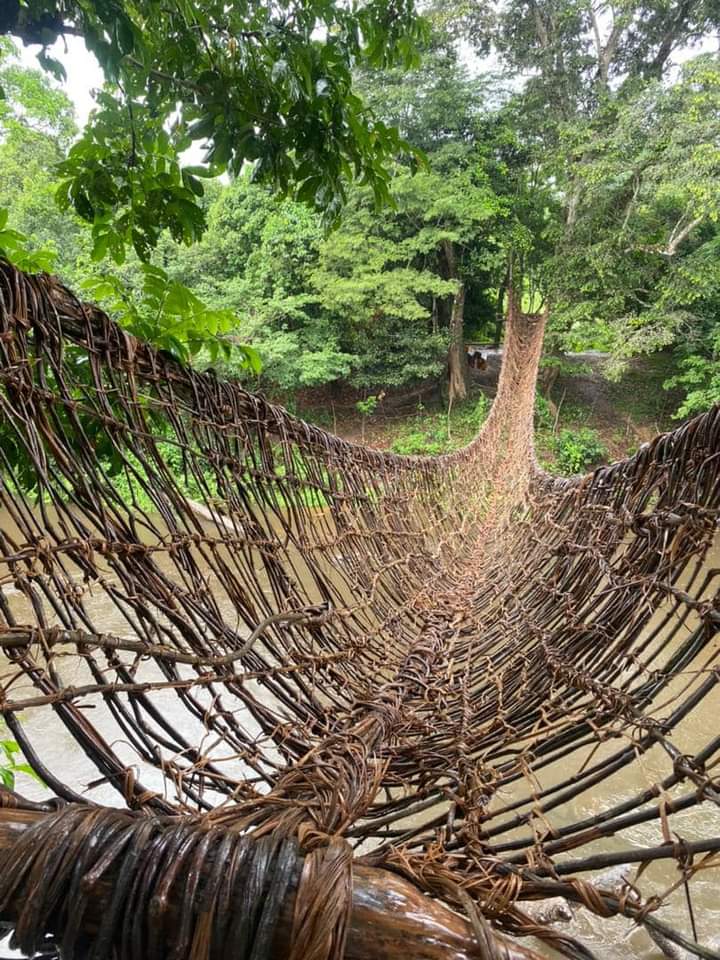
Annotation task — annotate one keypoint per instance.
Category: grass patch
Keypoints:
(430, 433)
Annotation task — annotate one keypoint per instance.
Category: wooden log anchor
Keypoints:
(389, 918)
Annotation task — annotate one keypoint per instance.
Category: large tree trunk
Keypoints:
(457, 361)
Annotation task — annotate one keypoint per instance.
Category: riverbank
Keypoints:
(583, 418)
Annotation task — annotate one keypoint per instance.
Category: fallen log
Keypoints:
(389, 918)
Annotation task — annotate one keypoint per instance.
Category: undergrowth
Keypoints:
(430, 433)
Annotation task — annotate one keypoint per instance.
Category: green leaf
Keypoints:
(251, 358)
(52, 66)
(100, 247)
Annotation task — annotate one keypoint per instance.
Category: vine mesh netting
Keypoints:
(258, 634)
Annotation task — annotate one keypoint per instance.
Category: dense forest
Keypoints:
(567, 150)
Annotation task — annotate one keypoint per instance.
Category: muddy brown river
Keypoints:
(609, 939)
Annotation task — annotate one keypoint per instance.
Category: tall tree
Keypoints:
(452, 215)
(598, 118)
(36, 127)
(454, 221)
(639, 266)
(256, 82)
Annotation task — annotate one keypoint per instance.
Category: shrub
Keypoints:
(418, 443)
(433, 434)
(575, 450)
(543, 414)
(367, 406)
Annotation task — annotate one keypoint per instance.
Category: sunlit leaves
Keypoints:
(167, 313)
(254, 84)
(14, 246)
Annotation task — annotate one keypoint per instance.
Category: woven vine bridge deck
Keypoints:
(348, 704)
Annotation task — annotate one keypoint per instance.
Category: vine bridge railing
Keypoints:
(349, 703)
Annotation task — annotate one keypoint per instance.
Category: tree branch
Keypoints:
(656, 65)
(676, 238)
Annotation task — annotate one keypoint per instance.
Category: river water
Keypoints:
(611, 940)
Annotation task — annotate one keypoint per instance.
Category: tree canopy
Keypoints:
(253, 82)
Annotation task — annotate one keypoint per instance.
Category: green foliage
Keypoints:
(594, 187)
(393, 278)
(642, 257)
(479, 412)
(367, 406)
(35, 126)
(14, 247)
(699, 373)
(12, 764)
(47, 112)
(125, 179)
(259, 87)
(561, 366)
(368, 303)
(254, 83)
(257, 258)
(430, 434)
(614, 164)
(167, 313)
(578, 449)
(426, 443)
(382, 300)
(435, 103)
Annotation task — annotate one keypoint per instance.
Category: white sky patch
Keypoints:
(84, 78)
(83, 72)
